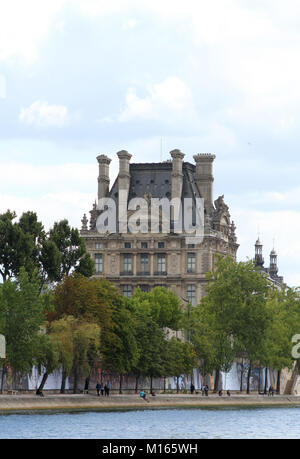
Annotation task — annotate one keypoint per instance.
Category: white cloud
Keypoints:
(41, 114)
(164, 102)
(23, 26)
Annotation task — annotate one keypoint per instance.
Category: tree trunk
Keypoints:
(248, 378)
(177, 384)
(259, 379)
(136, 384)
(278, 382)
(217, 379)
(121, 381)
(63, 382)
(242, 373)
(151, 384)
(87, 383)
(41, 386)
(164, 384)
(75, 381)
(266, 380)
(2, 378)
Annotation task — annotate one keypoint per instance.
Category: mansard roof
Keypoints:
(156, 179)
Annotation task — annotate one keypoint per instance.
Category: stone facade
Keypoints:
(148, 259)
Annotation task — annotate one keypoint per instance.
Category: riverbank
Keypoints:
(87, 402)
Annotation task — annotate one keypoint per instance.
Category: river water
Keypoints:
(158, 424)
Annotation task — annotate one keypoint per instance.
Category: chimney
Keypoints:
(123, 184)
(204, 177)
(177, 175)
(103, 179)
(124, 173)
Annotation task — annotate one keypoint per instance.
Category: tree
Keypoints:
(86, 345)
(15, 246)
(44, 255)
(181, 358)
(151, 344)
(163, 305)
(22, 311)
(72, 249)
(61, 332)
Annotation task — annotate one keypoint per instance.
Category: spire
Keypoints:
(259, 260)
(273, 262)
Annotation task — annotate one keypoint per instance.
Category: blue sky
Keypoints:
(82, 78)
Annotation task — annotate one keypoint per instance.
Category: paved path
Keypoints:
(22, 402)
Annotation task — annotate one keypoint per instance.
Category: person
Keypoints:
(105, 389)
(108, 388)
(228, 393)
(206, 390)
(102, 390)
(220, 393)
(192, 388)
(271, 391)
(98, 387)
(143, 396)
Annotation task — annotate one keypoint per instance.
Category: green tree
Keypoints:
(181, 358)
(72, 249)
(22, 312)
(15, 246)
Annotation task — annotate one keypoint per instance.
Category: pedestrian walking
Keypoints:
(192, 388)
(105, 389)
(98, 388)
(108, 388)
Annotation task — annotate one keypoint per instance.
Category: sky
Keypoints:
(83, 78)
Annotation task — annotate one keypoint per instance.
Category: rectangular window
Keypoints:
(98, 245)
(191, 294)
(161, 245)
(127, 245)
(127, 263)
(144, 262)
(144, 245)
(191, 262)
(144, 288)
(161, 263)
(191, 246)
(98, 263)
(127, 290)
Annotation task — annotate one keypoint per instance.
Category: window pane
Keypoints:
(191, 262)
(127, 290)
(161, 263)
(191, 294)
(127, 263)
(144, 262)
(98, 263)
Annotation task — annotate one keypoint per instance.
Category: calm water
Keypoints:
(161, 424)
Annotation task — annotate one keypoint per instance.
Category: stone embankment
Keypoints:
(88, 402)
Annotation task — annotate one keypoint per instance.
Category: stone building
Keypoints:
(159, 258)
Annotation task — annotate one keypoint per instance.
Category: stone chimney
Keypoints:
(124, 172)
(177, 175)
(103, 179)
(123, 185)
(204, 177)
